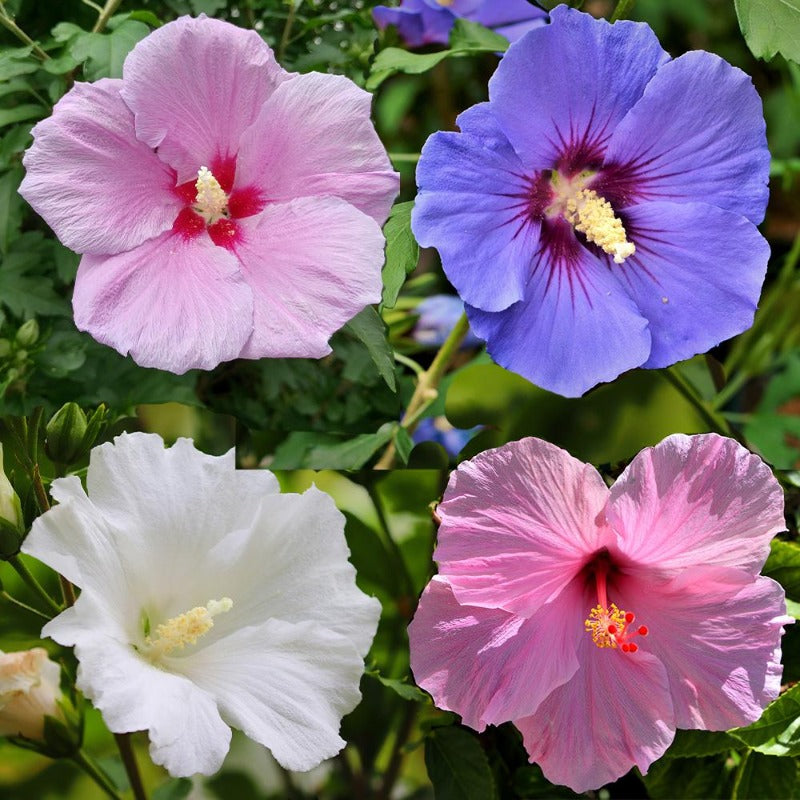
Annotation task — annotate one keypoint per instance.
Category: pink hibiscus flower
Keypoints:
(223, 206)
(600, 620)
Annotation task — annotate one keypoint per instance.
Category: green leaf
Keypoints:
(209, 7)
(466, 38)
(20, 113)
(457, 766)
(10, 207)
(402, 252)
(783, 566)
(23, 289)
(104, 53)
(374, 564)
(763, 777)
(777, 732)
(309, 450)
(148, 17)
(689, 779)
(406, 690)
(17, 61)
(403, 443)
(175, 789)
(770, 27)
(688, 744)
(369, 328)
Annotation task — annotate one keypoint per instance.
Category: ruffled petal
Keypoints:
(576, 326)
(417, 23)
(474, 206)
(187, 734)
(195, 86)
(312, 265)
(98, 187)
(174, 303)
(697, 134)
(692, 500)
(717, 631)
(510, 18)
(488, 665)
(167, 501)
(296, 569)
(696, 275)
(287, 686)
(314, 138)
(614, 714)
(595, 73)
(517, 524)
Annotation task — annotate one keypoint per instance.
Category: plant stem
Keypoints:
(396, 759)
(105, 15)
(131, 767)
(714, 420)
(389, 540)
(85, 762)
(8, 23)
(622, 9)
(6, 596)
(405, 158)
(427, 384)
(287, 31)
(34, 585)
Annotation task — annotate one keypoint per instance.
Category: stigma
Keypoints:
(211, 202)
(185, 629)
(611, 627)
(593, 216)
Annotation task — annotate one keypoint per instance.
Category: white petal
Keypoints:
(286, 686)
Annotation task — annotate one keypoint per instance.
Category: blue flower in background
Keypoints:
(422, 22)
(438, 315)
(439, 430)
(599, 212)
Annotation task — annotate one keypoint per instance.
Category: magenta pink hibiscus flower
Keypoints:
(600, 620)
(223, 206)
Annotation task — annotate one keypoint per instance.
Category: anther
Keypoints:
(185, 629)
(211, 202)
(594, 217)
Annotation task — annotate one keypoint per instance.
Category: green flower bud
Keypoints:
(5, 348)
(11, 523)
(28, 334)
(64, 434)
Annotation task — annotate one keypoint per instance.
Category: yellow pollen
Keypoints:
(445, 2)
(186, 629)
(211, 202)
(599, 620)
(594, 217)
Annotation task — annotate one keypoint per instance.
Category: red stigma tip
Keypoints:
(626, 648)
(632, 648)
(643, 630)
(629, 617)
(612, 629)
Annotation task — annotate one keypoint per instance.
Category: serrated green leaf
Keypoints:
(17, 61)
(402, 252)
(457, 766)
(209, 7)
(20, 113)
(403, 443)
(174, 789)
(10, 206)
(369, 328)
(148, 17)
(693, 744)
(777, 732)
(468, 35)
(763, 777)
(770, 27)
(308, 450)
(689, 779)
(783, 566)
(406, 690)
(104, 53)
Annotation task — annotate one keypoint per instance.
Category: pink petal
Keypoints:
(312, 264)
(315, 137)
(717, 631)
(172, 303)
(696, 500)
(614, 713)
(488, 665)
(518, 523)
(195, 86)
(94, 183)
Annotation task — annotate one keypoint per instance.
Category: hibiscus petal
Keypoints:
(595, 73)
(297, 569)
(95, 184)
(510, 18)
(488, 665)
(576, 326)
(614, 714)
(696, 275)
(172, 303)
(285, 685)
(417, 22)
(195, 86)
(519, 551)
(473, 206)
(314, 137)
(312, 264)
(187, 734)
(697, 133)
(717, 631)
(696, 500)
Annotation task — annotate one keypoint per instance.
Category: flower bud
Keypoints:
(28, 334)
(65, 434)
(11, 523)
(29, 692)
(5, 348)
